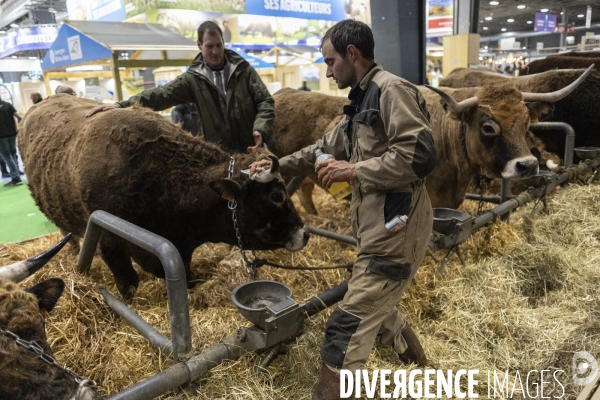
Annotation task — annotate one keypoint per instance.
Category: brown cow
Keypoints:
(301, 118)
(137, 165)
(581, 109)
(24, 374)
(494, 121)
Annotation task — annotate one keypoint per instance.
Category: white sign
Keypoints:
(75, 47)
(588, 17)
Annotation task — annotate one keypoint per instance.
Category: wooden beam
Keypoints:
(115, 70)
(82, 74)
(152, 63)
(135, 55)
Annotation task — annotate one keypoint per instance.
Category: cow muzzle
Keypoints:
(299, 239)
(521, 167)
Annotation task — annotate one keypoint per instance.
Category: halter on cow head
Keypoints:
(493, 124)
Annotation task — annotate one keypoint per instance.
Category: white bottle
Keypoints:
(338, 190)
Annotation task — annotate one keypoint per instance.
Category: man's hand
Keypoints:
(259, 166)
(330, 171)
(258, 141)
(101, 108)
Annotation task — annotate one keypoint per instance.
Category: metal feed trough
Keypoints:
(267, 304)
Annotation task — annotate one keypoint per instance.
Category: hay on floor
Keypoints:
(527, 299)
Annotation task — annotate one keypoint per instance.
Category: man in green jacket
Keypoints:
(234, 106)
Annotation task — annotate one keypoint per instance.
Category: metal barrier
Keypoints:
(175, 277)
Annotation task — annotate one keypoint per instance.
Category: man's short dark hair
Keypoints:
(349, 32)
(209, 27)
(35, 97)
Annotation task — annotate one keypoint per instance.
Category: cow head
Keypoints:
(266, 216)
(24, 373)
(494, 123)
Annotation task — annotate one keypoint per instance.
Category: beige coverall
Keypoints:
(386, 134)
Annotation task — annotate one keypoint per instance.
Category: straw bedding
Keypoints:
(527, 299)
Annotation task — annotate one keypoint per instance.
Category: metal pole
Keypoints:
(144, 328)
(332, 235)
(167, 254)
(483, 197)
(505, 194)
(569, 140)
(231, 348)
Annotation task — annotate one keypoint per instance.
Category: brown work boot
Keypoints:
(414, 354)
(328, 385)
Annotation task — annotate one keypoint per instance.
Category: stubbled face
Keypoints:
(496, 134)
(268, 219)
(339, 68)
(213, 50)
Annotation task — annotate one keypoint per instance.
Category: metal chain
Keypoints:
(37, 349)
(251, 266)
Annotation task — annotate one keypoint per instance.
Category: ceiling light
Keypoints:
(2, 32)
(14, 25)
(488, 18)
(494, 3)
(510, 20)
(524, 48)
(14, 57)
(580, 16)
(33, 58)
(530, 22)
(485, 28)
(503, 29)
(521, 6)
(544, 10)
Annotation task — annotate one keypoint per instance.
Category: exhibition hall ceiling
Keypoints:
(518, 15)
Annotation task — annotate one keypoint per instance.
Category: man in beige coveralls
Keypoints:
(384, 148)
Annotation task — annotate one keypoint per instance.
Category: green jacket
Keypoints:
(229, 123)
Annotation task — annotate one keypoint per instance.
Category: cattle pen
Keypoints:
(510, 308)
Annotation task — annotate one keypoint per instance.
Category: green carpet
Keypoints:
(20, 219)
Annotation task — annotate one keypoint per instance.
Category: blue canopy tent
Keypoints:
(255, 62)
(101, 43)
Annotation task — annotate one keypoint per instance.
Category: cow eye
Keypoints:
(277, 197)
(490, 128)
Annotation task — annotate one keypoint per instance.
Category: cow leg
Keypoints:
(114, 253)
(150, 263)
(304, 193)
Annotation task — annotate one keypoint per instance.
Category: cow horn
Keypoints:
(455, 107)
(22, 269)
(559, 94)
(275, 163)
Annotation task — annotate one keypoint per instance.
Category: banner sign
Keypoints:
(328, 10)
(440, 17)
(72, 47)
(37, 38)
(545, 22)
(96, 10)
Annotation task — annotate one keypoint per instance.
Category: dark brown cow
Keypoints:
(25, 376)
(581, 109)
(550, 63)
(137, 165)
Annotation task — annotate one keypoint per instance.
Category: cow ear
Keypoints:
(48, 292)
(226, 188)
(538, 110)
